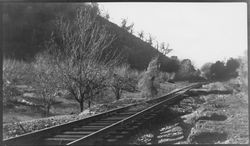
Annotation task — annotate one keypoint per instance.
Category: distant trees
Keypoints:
(165, 49)
(150, 40)
(231, 66)
(127, 27)
(218, 70)
(221, 71)
(141, 34)
(82, 55)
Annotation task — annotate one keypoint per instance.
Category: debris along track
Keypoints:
(107, 127)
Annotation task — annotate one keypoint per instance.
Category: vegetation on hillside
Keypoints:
(26, 31)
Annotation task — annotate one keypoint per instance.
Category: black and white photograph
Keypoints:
(124, 73)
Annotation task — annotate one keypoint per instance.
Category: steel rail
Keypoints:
(84, 140)
(32, 137)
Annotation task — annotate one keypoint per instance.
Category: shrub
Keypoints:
(14, 72)
(186, 70)
(221, 71)
(206, 72)
(123, 79)
(164, 76)
(231, 67)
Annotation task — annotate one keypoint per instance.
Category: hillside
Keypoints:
(26, 31)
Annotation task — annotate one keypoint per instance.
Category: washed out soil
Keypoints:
(215, 114)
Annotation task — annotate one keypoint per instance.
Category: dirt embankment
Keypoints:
(223, 116)
(215, 114)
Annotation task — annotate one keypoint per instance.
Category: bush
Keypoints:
(221, 71)
(186, 70)
(231, 67)
(14, 72)
(164, 76)
(169, 64)
(206, 72)
(123, 79)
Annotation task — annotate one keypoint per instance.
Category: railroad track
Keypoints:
(104, 128)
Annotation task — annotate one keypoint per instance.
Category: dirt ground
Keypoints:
(222, 118)
(215, 114)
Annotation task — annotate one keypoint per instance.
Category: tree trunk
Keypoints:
(89, 103)
(81, 106)
(117, 94)
(47, 109)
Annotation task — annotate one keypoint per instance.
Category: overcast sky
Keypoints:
(202, 32)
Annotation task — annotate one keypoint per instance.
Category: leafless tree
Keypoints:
(141, 34)
(124, 23)
(120, 80)
(45, 81)
(83, 56)
(128, 28)
(157, 45)
(165, 49)
(150, 39)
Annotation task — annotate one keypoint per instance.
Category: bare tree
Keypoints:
(124, 23)
(141, 34)
(120, 80)
(45, 81)
(165, 49)
(150, 39)
(83, 55)
(128, 28)
(157, 45)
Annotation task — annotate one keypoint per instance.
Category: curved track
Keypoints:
(105, 128)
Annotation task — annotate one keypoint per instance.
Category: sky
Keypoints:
(202, 32)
